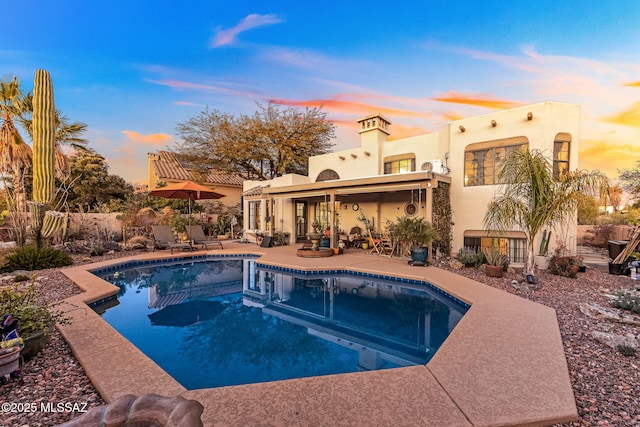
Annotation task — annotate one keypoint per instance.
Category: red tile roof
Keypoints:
(167, 166)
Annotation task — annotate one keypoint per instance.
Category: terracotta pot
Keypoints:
(9, 361)
(494, 270)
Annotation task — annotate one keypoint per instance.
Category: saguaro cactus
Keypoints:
(44, 129)
(44, 223)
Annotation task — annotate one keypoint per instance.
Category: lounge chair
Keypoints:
(196, 235)
(163, 238)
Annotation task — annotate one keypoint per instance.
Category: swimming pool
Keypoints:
(229, 320)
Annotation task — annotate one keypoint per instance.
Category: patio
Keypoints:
(504, 363)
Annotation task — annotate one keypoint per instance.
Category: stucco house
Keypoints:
(167, 167)
(448, 177)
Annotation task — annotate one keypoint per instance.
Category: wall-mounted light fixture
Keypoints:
(366, 153)
(462, 129)
(354, 155)
(529, 115)
(494, 123)
(341, 157)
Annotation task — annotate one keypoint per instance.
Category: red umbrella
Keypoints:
(187, 190)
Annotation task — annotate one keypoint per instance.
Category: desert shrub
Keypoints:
(565, 266)
(469, 257)
(224, 224)
(30, 258)
(210, 228)
(626, 350)
(139, 242)
(598, 235)
(627, 300)
(33, 316)
(178, 223)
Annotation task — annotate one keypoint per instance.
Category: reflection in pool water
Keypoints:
(229, 321)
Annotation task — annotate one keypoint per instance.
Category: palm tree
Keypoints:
(532, 199)
(15, 154)
(67, 134)
(615, 197)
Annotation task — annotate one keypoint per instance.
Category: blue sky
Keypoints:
(132, 70)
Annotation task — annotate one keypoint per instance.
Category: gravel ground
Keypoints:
(606, 383)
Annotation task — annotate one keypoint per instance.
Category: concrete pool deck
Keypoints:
(503, 364)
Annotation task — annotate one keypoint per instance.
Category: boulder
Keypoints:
(615, 341)
(148, 410)
(596, 311)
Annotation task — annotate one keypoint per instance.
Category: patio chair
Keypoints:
(389, 247)
(196, 235)
(377, 245)
(163, 238)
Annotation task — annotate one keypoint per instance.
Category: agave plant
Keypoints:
(493, 256)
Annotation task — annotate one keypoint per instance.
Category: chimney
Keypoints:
(373, 129)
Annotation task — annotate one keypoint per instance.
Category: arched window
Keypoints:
(327, 175)
(561, 151)
(483, 160)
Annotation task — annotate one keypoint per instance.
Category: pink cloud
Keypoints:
(225, 37)
(150, 139)
(457, 98)
(400, 131)
(347, 106)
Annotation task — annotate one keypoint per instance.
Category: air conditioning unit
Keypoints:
(434, 166)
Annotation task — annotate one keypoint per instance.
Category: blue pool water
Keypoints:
(224, 321)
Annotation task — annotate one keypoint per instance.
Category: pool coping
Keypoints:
(503, 364)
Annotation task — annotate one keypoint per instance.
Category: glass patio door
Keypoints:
(301, 221)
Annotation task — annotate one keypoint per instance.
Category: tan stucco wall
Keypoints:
(448, 147)
(425, 148)
(549, 119)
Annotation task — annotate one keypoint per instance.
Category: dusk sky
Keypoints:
(132, 70)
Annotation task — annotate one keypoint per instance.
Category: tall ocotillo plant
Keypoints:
(44, 129)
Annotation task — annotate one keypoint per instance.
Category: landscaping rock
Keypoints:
(615, 340)
(524, 286)
(455, 264)
(146, 410)
(596, 311)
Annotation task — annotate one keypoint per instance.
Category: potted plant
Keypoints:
(35, 319)
(541, 260)
(415, 233)
(496, 261)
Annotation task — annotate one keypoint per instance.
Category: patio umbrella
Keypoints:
(187, 190)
